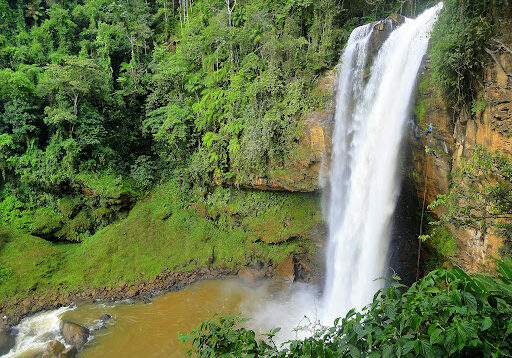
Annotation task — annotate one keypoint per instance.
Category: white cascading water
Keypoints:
(370, 121)
(35, 332)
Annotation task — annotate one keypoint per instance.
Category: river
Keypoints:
(151, 330)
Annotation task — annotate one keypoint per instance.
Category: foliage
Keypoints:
(5, 273)
(478, 106)
(133, 91)
(225, 336)
(458, 55)
(445, 314)
(480, 195)
(442, 244)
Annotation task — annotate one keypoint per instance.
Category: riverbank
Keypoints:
(167, 241)
(289, 270)
(166, 281)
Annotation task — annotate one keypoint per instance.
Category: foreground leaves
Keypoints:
(445, 314)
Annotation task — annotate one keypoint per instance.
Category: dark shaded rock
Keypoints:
(7, 339)
(74, 334)
(103, 321)
(105, 317)
(70, 352)
(380, 33)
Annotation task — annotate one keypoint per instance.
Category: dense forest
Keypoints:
(102, 97)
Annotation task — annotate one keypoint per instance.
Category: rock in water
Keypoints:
(105, 317)
(54, 350)
(7, 340)
(74, 334)
(285, 271)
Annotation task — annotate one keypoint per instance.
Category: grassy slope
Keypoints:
(164, 231)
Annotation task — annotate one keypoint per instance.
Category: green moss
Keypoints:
(416, 177)
(107, 185)
(443, 246)
(443, 241)
(33, 262)
(46, 222)
(419, 112)
(69, 205)
(78, 227)
(426, 88)
(167, 230)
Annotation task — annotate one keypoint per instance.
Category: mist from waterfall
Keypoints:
(371, 114)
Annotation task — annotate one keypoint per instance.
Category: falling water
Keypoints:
(370, 118)
(35, 332)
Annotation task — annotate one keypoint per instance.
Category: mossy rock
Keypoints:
(69, 206)
(81, 225)
(46, 222)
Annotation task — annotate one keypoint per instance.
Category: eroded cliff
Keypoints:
(455, 134)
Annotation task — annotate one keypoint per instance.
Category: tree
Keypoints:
(72, 80)
(6, 147)
(231, 8)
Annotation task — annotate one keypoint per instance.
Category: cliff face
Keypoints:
(454, 136)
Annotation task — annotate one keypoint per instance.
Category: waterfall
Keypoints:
(370, 118)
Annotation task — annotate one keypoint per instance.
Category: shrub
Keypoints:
(445, 314)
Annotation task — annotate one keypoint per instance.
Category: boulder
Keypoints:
(285, 271)
(105, 317)
(74, 334)
(70, 352)
(103, 321)
(251, 276)
(7, 339)
(53, 350)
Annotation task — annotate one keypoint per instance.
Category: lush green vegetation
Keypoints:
(459, 43)
(103, 102)
(165, 231)
(480, 196)
(100, 100)
(445, 314)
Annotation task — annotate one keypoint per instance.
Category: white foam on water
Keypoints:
(34, 332)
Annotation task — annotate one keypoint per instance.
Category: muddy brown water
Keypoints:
(151, 330)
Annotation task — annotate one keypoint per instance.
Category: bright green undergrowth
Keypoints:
(168, 230)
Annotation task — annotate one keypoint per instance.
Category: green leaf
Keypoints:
(486, 323)
(426, 348)
(408, 346)
(470, 301)
(354, 351)
(435, 337)
(387, 351)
